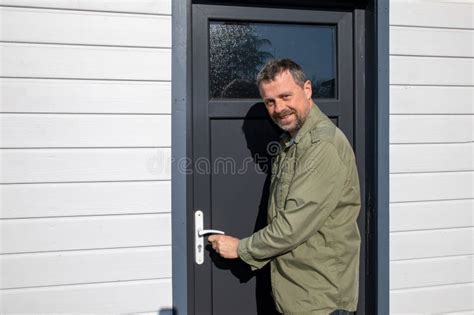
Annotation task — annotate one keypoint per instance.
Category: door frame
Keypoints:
(371, 96)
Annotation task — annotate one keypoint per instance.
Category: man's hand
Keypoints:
(224, 245)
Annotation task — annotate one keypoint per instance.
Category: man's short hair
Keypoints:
(276, 66)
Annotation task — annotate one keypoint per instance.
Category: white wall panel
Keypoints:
(431, 243)
(431, 186)
(112, 298)
(409, 158)
(431, 215)
(41, 26)
(138, 6)
(431, 158)
(431, 128)
(74, 233)
(431, 272)
(432, 300)
(88, 266)
(84, 62)
(451, 14)
(75, 199)
(70, 165)
(431, 71)
(431, 100)
(431, 42)
(87, 226)
(82, 96)
(65, 130)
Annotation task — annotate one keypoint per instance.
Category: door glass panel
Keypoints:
(238, 50)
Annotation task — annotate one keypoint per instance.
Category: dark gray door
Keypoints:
(234, 139)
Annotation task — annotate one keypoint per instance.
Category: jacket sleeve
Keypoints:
(314, 192)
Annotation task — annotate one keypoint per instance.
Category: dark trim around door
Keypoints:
(381, 221)
(376, 64)
(181, 133)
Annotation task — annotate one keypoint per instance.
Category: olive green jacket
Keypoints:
(312, 240)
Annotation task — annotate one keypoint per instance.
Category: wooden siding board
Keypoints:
(83, 96)
(41, 26)
(75, 233)
(88, 266)
(76, 199)
(407, 216)
(431, 181)
(83, 130)
(431, 243)
(84, 62)
(412, 158)
(433, 300)
(431, 100)
(450, 14)
(431, 186)
(431, 71)
(112, 227)
(84, 165)
(431, 128)
(468, 312)
(431, 272)
(431, 42)
(113, 297)
(135, 6)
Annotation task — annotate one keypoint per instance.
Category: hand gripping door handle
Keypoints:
(199, 234)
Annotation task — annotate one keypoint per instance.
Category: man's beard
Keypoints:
(295, 126)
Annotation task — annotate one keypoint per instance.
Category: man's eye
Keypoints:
(269, 103)
(286, 97)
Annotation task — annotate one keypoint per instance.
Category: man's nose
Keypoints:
(279, 106)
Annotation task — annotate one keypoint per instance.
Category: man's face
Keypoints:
(287, 103)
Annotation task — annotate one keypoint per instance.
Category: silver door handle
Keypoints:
(199, 234)
(205, 232)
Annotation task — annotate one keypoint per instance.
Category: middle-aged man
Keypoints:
(312, 240)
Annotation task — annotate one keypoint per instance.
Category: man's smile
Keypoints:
(285, 117)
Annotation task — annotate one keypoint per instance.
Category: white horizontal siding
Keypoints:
(431, 71)
(431, 271)
(431, 186)
(431, 99)
(86, 127)
(91, 198)
(74, 233)
(433, 300)
(85, 165)
(79, 96)
(431, 42)
(409, 158)
(82, 130)
(431, 128)
(109, 297)
(41, 26)
(84, 62)
(431, 243)
(127, 6)
(86, 266)
(425, 215)
(431, 156)
(433, 13)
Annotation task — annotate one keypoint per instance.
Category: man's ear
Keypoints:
(308, 89)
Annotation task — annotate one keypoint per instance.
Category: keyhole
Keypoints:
(199, 248)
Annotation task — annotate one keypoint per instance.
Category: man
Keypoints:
(312, 241)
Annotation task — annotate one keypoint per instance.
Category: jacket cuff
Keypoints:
(247, 257)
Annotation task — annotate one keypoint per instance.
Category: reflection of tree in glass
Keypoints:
(235, 58)
(323, 88)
